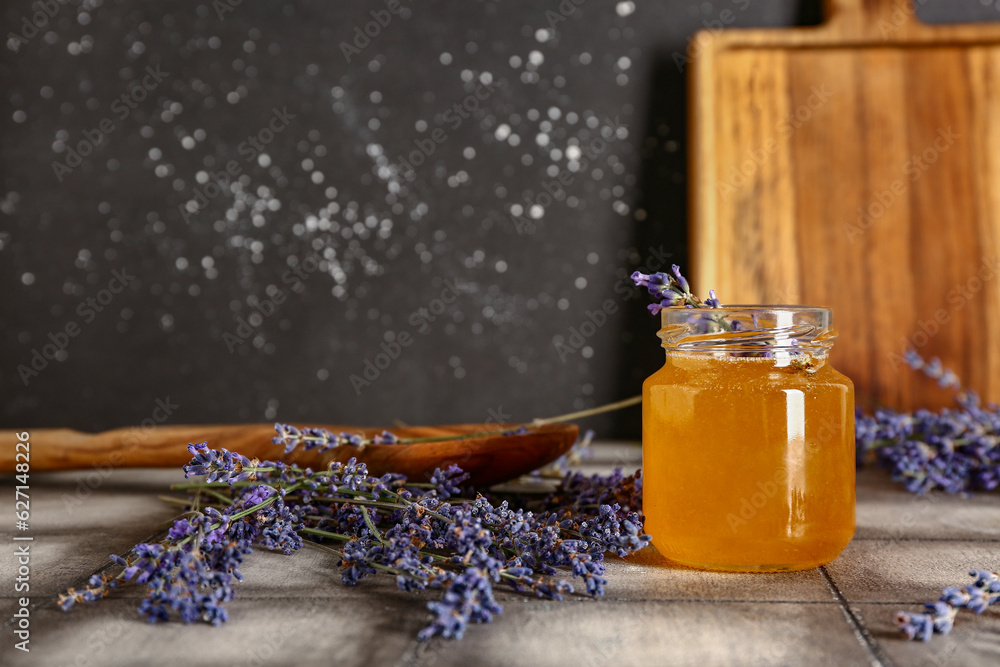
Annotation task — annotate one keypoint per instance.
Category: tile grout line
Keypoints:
(861, 632)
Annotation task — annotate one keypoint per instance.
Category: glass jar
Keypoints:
(748, 440)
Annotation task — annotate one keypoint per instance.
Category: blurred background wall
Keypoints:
(343, 212)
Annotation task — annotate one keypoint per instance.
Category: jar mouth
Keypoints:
(758, 330)
(793, 308)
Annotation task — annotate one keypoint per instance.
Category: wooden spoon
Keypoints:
(488, 458)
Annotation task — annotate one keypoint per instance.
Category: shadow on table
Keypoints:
(650, 557)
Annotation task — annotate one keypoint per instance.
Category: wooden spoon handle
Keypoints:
(487, 458)
(154, 447)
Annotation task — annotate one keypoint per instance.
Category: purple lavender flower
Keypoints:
(355, 560)
(352, 439)
(420, 535)
(256, 495)
(986, 580)
(288, 437)
(318, 438)
(221, 465)
(181, 529)
(192, 578)
(577, 491)
(280, 527)
(670, 291)
(352, 474)
(933, 369)
(590, 570)
(915, 626)
(385, 438)
(321, 439)
(681, 280)
(640, 279)
(467, 599)
(957, 451)
(659, 284)
(940, 615)
(667, 300)
(446, 482)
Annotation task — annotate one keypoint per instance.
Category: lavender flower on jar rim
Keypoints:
(670, 290)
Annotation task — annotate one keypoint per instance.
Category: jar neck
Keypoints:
(771, 332)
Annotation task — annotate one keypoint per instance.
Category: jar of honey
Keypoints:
(748, 440)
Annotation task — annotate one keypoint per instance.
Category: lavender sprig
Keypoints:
(221, 465)
(421, 534)
(933, 369)
(671, 290)
(940, 615)
(954, 450)
(290, 437)
(321, 439)
(191, 570)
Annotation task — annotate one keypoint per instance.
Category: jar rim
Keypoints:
(755, 306)
(747, 328)
(680, 311)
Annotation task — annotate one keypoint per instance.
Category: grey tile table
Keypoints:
(292, 610)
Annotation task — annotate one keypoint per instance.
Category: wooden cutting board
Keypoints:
(857, 165)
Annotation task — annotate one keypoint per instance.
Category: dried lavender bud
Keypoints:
(670, 291)
(221, 465)
(681, 280)
(291, 437)
(954, 450)
(940, 615)
(385, 438)
(375, 526)
(446, 482)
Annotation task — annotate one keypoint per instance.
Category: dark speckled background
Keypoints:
(477, 258)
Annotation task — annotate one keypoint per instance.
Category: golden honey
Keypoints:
(748, 461)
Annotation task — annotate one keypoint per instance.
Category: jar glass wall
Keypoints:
(748, 441)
